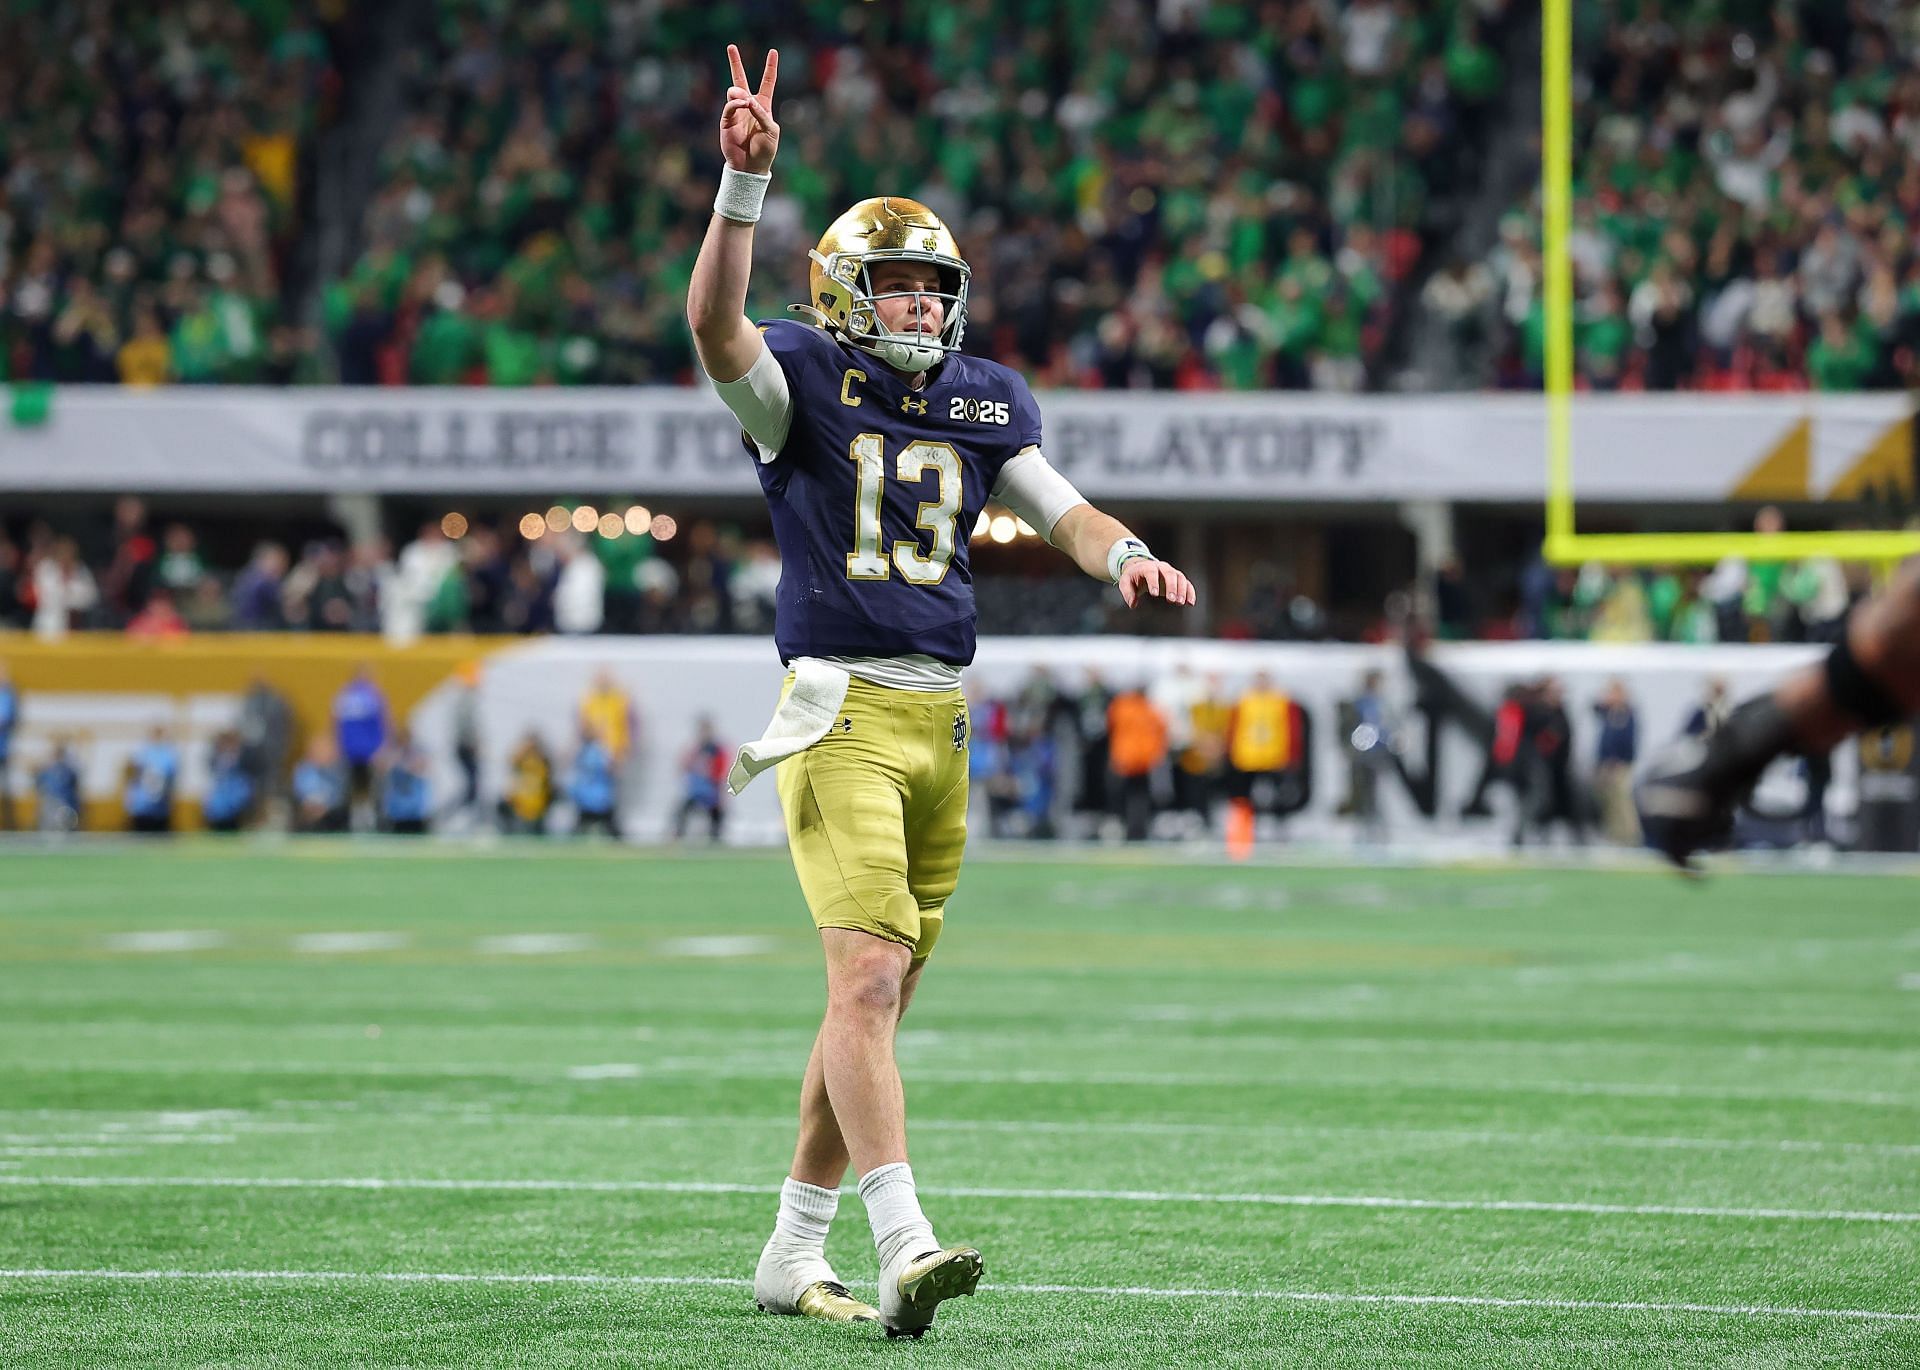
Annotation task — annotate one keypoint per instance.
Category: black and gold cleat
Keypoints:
(913, 1288)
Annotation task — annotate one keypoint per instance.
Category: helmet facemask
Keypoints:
(848, 305)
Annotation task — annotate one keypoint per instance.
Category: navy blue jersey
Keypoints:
(875, 493)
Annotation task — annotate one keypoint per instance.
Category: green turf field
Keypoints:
(347, 1105)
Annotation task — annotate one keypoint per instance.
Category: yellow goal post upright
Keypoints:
(1565, 545)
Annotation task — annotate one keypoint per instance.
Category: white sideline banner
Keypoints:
(646, 442)
(534, 689)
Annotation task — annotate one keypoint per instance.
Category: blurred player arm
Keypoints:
(1098, 543)
(726, 340)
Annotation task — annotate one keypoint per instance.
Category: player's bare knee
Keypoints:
(867, 985)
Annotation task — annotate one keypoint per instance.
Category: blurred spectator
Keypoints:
(152, 772)
(529, 797)
(592, 785)
(423, 569)
(1452, 602)
(57, 789)
(1263, 743)
(703, 775)
(1091, 718)
(319, 597)
(1615, 751)
(1200, 766)
(322, 795)
(129, 578)
(13, 614)
(579, 596)
(406, 802)
(266, 737)
(607, 712)
(180, 568)
(1706, 717)
(1173, 694)
(1368, 739)
(1503, 763)
(1137, 746)
(230, 789)
(158, 621)
(64, 591)
(1547, 791)
(9, 720)
(466, 735)
(360, 727)
(257, 602)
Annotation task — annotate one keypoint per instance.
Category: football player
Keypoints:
(877, 443)
(1870, 679)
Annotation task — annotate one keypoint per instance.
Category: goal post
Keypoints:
(1565, 544)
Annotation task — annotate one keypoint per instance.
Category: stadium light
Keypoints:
(664, 526)
(639, 519)
(612, 525)
(558, 519)
(1002, 529)
(454, 525)
(533, 527)
(585, 519)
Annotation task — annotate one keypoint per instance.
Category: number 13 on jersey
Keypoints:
(867, 560)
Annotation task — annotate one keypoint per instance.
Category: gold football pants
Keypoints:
(877, 813)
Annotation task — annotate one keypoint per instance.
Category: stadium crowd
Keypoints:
(1747, 193)
(153, 580)
(150, 186)
(1185, 194)
(1172, 194)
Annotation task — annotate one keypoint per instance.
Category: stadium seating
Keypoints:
(150, 187)
(1745, 204)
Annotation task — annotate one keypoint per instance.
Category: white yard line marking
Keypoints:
(535, 944)
(1722, 1310)
(343, 943)
(731, 1121)
(724, 1069)
(1152, 1033)
(716, 946)
(164, 941)
(1015, 1127)
(1150, 1196)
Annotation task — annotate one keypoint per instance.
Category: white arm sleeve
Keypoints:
(1036, 492)
(763, 404)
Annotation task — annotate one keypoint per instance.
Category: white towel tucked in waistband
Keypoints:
(810, 708)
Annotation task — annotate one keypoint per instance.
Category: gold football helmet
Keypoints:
(888, 228)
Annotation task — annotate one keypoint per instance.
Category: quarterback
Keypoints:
(877, 443)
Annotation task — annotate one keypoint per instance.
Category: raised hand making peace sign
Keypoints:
(748, 135)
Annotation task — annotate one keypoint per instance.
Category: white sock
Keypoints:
(893, 1208)
(806, 1210)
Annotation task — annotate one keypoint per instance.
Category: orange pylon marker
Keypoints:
(1240, 830)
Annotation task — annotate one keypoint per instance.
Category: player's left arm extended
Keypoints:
(1099, 543)
(1102, 546)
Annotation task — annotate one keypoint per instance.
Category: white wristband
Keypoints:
(1122, 552)
(741, 193)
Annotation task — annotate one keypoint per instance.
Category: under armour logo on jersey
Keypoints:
(909, 405)
(845, 725)
(960, 730)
